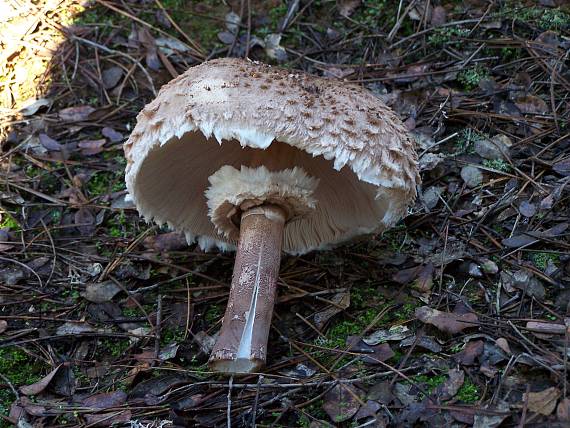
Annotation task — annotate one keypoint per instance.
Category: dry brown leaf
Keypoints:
(100, 292)
(452, 384)
(76, 114)
(471, 351)
(446, 321)
(341, 403)
(531, 104)
(563, 410)
(543, 402)
(347, 7)
(92, 147)
(39, 386)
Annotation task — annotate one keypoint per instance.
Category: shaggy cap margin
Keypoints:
(256, 104)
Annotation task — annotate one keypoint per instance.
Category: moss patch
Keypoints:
(20, 369)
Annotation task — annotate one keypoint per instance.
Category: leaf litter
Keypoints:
(458, 315)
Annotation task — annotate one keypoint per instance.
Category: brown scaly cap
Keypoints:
(240, 113)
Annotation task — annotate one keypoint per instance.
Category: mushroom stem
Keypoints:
(242, 344)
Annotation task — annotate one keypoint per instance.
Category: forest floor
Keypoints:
(457, 317)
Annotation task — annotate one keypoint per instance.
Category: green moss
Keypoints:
(8, 222)
(468, 393)
(276, 14)
(396, 239)
(213, 314)
(99, 16)
(99, 183)
(430, 383)
(510, 54)
(171, 335)
(470, 77)
(311, 412)
(498, 164)
(406, 312)
(465, 140)
(131, 312)
(447, 36)
(541, 259)
(20, 369)
(545, 18)
(116, 347)
(362, 296)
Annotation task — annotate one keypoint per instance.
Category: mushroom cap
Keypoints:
(245, 114)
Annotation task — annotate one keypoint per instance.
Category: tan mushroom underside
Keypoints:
(175, 175)
(338, 133)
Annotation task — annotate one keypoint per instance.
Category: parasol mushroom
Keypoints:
(239, 154)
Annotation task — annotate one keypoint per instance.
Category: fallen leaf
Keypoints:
(233, 20)
(341, 300)
(424, 281)
(438, 16)
(381, 392)
(111, 77)
(471, 351)
(447, 322)
(32, 408)
(156, 386)
(170, 241)
(40, 385)
(3, 326)
(49, 143)
(34, 106)
(273, 47)
(170, 46)
(73, 328)
(452, 384)
(485, 420)
(347, 7)
(92, 147)
(85, 221)
(300, 371)
(531, 104)
(76, 114)
(106, 400)
(534, 236)
(112, 135)
(205, 342)
(101, 291)
(562, 167)
(226, 37)
(528, 209)
(502, 343)
(11, 275)
(340, 403)
(395, 333)
(149, 45)
(563, 410)
(425, 342)
(526, 281)
(471, 175)
(103, 401)
(63, 383)
(168, 352)
(369, 410)
(543, 402)
(372, 354)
